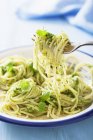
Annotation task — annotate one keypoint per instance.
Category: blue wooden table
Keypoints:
(18, 34)
(77, 131)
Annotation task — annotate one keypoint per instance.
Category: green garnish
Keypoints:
(45, 35)
(41, 33)
(9, 67)
(45, 97)
(31, 68)
(1, 71)
(16, 92)
(24, 85)
(42, 106)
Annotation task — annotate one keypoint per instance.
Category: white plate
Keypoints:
(27, 52)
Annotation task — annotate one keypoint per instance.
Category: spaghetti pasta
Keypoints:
(50, 86)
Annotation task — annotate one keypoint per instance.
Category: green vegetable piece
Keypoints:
(45, 97)
(16, 92)
(9, 67)
(24, 85)
(1, 71)
(42, 106)
(41, 33)
(31, 68)
(44, 33)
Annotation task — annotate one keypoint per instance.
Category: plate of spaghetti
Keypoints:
(41, 86)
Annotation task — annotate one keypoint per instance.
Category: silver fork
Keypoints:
(74, 47)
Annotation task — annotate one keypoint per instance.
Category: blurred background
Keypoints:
(19, 19)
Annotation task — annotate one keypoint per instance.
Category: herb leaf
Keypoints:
(24, 85)
(31, 68)
(41, 33)
(42, 106)
(45, 97)
(1, 71)
(9, 67)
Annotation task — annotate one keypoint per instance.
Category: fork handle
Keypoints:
(85, 44)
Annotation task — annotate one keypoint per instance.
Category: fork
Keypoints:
(74, 47)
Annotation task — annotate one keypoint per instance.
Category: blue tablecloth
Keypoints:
(77, 131)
